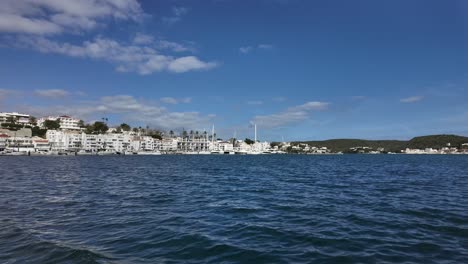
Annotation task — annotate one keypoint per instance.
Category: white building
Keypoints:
(19, 144)
(18, 118)
(66, 122)
(40, 144)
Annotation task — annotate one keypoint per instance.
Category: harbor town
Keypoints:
(23, 134)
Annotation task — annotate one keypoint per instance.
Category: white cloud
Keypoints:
(13, 23)
(126, 108)
(412, 99)
(141, 38)
(52, 93)
(126, 57)
(33, 19)
(169, 100)
(291, 115)
(255, 102)
(176, 47)
(56, 16)
(189, 63)
(172, 100)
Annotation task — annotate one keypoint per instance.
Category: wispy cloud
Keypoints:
(246, 49)
(279, 99)
(160, 44)
(411, 99)
(257, 102)
(172, 100)
(52, 93)
(142, 59)
(265, 46)
(291, 115)
(141, 38)
(249, 49)
(177, 14)
(46, 17)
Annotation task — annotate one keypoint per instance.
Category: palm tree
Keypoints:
(171, 133)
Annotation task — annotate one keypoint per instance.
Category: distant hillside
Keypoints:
(432, 141)
(344, 145)
(436, 141)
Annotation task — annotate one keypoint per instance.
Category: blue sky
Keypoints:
(298, 69)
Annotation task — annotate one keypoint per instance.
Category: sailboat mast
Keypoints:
(255, 132)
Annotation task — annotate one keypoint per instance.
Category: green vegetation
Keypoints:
(38, 132)
(52, 124)
(344, 145)
(436, 141)
(125, 127)
(249, 141)
(432, 141)
(81, 124)
(96, 128)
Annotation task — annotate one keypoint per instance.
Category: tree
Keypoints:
(171, 133)
(96, 128)
(38, 132)
(249, 141)
(125, 127)
(52, 124)
(33, 120)
(100, 127)
(81, 124)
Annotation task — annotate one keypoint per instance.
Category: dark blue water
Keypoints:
(234, 209)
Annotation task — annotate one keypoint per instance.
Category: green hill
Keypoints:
(344, 145)
(432, 141)
(436, 141)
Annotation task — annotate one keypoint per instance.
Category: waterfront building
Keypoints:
(40, 144)
(3, 138)
(168, 144)
(19, 144)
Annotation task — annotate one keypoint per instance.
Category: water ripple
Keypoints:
(234, 209)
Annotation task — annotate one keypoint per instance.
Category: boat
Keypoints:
(149, 153)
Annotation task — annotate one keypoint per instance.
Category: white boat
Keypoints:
(149, 153)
